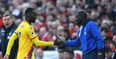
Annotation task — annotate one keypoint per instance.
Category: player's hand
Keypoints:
(59, 42)
(6, 57)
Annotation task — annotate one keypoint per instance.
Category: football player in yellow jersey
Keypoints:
(27, 37)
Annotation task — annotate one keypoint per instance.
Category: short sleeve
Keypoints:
(31, 33)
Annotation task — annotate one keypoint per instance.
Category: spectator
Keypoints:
(68, 54)
(5, 33)
(60, 53)
(113, 47)
(105, 31)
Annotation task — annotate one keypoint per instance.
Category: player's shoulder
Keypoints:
(91, 23)
(22, 25)
(25, 26)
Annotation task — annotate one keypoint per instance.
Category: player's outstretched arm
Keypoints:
(38, 42)
(33, 37)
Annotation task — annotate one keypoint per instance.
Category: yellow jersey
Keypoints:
(27, 38)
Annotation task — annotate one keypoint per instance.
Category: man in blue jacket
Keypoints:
(5, 32)
(89, 37)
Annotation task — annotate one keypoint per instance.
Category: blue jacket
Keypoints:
(4, 36)
(89, 38)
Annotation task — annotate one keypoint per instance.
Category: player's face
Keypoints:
(7, 21)
(33, 17)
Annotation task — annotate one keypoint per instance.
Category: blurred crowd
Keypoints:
(57, 17)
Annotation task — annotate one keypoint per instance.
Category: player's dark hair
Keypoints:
(30, 15)
(81, 17)
(28, 12)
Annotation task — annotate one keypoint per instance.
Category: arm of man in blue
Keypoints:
(94, 30)
(75, 42)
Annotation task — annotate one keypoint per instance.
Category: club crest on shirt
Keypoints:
(32, 33)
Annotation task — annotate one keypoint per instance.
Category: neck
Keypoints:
(86, 21)
(28, 21)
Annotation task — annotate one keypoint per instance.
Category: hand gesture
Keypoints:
(6, 57)
(59, 42)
